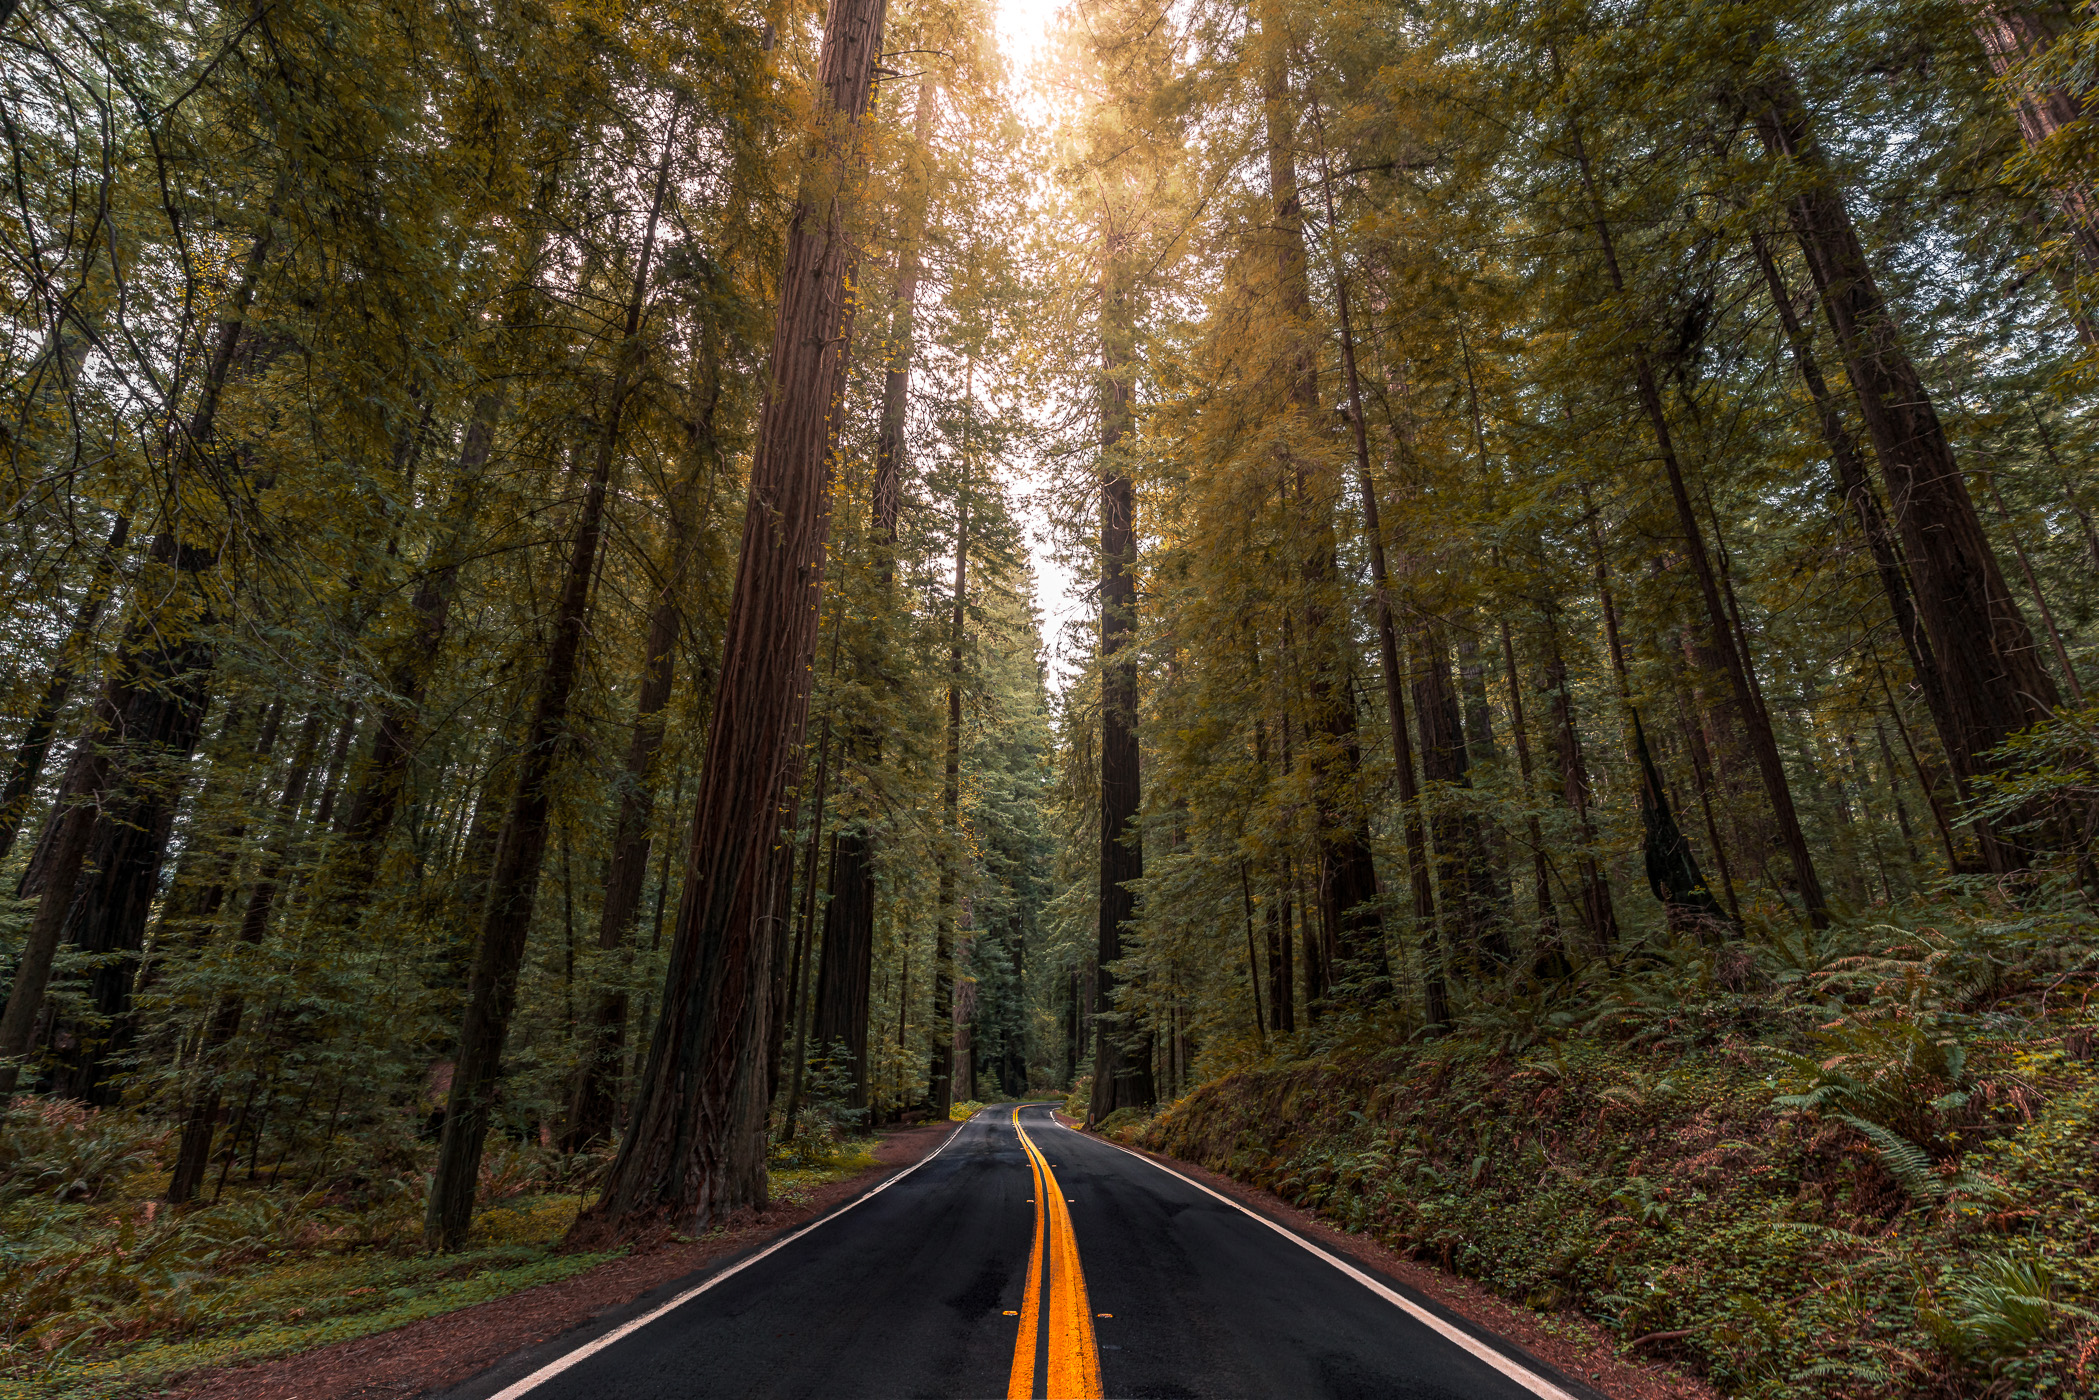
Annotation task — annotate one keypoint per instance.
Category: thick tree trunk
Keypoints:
(1118, 1079)
(687, 1156)
(1121, 1078)
(1859, 494)
(1994, 682)
(514, 880)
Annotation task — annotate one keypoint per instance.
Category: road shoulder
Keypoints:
(440, 1352)
(1569, 1343)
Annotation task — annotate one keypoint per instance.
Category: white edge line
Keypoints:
(633, 1325)
(1508, 1366)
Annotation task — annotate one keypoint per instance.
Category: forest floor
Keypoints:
(255, 1298)
(1861, 1164)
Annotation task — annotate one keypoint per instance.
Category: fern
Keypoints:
(2005, 1307)
(1908, 1163)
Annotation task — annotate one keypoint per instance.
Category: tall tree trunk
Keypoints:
(513, 884)
(845, 979)
(940, 1084)
(683, 1160)
(1348, 890)
(1992, 674)
(1859, 494)
(2016, 37)
(1435, 994)
(1763, 743)
(150, 719)
(142, 731)
(1120, 1078)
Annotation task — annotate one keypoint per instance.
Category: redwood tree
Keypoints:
(693, 1149)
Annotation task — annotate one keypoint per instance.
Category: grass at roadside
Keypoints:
(105, 1291)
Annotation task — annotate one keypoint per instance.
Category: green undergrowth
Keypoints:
(1864, 1165)
(106, 1291)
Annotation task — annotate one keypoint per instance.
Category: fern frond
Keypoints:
(1908, 1163)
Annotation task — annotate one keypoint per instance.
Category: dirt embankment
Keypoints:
(443, 1351)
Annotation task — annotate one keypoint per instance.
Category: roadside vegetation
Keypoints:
(1858, 1163)
(105, 1289)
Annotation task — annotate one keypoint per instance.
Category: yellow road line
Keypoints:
(1074, 1355)
(1021, 1384)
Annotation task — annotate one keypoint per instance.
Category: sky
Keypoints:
(1022, 25)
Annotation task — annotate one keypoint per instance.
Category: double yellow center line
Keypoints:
(1074, 1370)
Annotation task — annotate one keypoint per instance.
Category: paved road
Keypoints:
(1026, 1259)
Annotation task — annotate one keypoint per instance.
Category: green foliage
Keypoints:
(2001, 1307)
(1867, 1180)
(63, 1152)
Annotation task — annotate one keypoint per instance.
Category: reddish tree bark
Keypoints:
(1121, 1076)
(690, 1153)
(2016, 37)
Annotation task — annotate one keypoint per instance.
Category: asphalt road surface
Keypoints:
(1026, 1259)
